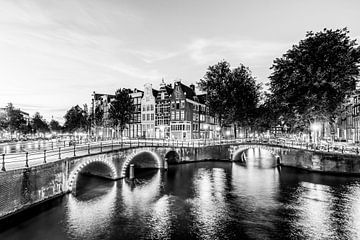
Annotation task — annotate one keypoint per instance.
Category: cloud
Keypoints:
(204, 51)
(149, 56)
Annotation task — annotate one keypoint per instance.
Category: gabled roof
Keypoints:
(189, 93)
(155, 92)
(169, 89)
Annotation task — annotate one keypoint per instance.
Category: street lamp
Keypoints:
(315, 127)
(227, 133)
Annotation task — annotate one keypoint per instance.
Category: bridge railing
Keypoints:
(31, 158)
(72, 149)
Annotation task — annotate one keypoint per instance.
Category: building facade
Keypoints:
(162, 111)
(148, 105)
(170, 113)
(134, 129)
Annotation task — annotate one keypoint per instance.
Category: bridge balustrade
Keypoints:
(73, 149)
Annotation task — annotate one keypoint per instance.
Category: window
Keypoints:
(172, 105)
(144, 108)
(172, 115)
(177, 105)
(152, 107)
(152, 117)
(148, 116)
(182, 103)
(177, 115)
(182, 115)
(147, 108)
(143, 117)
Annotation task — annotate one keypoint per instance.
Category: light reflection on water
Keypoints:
(209, 200)
(90, 217)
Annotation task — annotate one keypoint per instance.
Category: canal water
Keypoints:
(207, 200)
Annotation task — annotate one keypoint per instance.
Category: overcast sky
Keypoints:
(54, 54)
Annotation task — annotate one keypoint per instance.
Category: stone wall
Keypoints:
(322, 162)
(22, 188)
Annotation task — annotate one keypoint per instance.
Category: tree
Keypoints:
(310, 82)
(39, 123)
(13, 119)
(243, 97)
(121, 109)
(232, 95)
(76, 119)
(55, 126)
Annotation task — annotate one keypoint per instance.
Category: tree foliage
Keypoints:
(76, 119)
(232, 95)
(13, 120)
(121, 109)
(55, 126)
(39, 123)
(98, 116)
(312, 79)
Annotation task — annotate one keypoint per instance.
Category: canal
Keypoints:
(207, 200)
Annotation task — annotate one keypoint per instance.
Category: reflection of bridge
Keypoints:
(41, 175)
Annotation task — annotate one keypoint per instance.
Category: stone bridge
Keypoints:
(25, 187)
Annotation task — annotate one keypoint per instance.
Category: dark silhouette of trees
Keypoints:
(311, 81)
(39, 124)
(121, 110)
(13, 120)
(232, 95)
(55, 126)
(76, 119)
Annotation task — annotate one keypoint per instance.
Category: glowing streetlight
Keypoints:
(315, 127)
(227, 133)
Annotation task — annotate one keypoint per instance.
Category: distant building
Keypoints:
(148, 104)
(175, 113)
(134, 129)
(162, 111)
(103, 101)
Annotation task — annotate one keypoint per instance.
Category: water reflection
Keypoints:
(208, 205)
(208, 200)
(91, 215)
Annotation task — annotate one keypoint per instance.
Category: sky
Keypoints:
(54, 54)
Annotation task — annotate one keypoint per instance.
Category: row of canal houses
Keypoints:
(172, 112)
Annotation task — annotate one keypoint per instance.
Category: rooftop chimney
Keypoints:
(192, 86)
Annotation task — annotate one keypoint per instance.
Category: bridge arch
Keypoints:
(126, 163)
(172, 157)
(243, 149)
(77, 170)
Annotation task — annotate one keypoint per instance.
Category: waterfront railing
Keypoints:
(54, 152)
